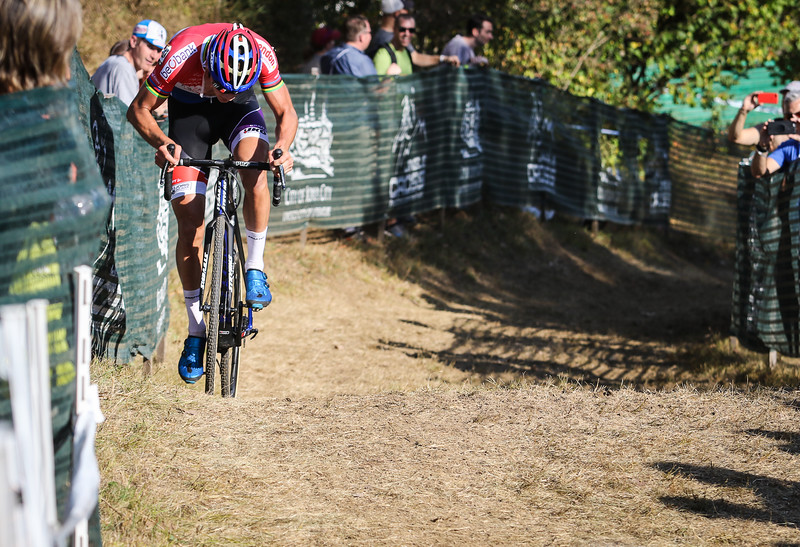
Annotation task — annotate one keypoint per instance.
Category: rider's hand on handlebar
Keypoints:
(163, 156)
(287, 160)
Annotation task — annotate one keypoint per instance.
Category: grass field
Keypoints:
(487, 381)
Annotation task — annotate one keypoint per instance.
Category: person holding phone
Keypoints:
(738, 134)
(767, 161)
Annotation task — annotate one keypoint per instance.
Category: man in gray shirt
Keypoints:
(479, 33)
(119, 74)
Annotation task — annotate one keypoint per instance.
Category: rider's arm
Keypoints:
(140, 116)
(286, 122)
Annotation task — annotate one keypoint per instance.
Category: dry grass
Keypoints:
(452, 390)
(105, 22)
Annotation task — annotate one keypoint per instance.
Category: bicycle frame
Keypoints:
(234, 326)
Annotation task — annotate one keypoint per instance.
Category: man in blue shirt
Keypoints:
(766, 163)
(350, 58)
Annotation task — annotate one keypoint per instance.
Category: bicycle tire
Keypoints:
(226, 318)
(213, 303)
(232, 317)
(237, 322)
(234, 370)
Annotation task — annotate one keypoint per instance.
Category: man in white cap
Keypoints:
(119, 74)
(385, 32)
(737, 133)
(791, 86)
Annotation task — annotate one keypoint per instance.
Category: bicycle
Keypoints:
(227, 324)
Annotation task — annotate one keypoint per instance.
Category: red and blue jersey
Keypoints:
(179, 72)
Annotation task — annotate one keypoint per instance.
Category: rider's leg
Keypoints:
(189, 211)
(256, 184)
(255, 210)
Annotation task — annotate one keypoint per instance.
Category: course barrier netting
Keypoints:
(53, 211)
(766, 298)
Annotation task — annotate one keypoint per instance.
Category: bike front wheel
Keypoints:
(214, 302)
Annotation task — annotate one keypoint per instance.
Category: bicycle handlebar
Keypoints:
(166, 176)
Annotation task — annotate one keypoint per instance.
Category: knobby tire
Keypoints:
(212, 325)
(239, 314)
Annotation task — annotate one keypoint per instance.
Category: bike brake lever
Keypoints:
(166, 176)
(279, 179)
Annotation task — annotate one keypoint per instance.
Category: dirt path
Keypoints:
(476, 405)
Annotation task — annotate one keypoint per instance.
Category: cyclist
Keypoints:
(208, 73)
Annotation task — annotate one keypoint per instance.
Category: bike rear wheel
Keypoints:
(238, 317)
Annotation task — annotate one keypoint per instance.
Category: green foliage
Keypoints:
(288, 25)
(628, 53)
(622, 53)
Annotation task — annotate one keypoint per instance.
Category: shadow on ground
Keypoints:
(780, 498)
(628, 305)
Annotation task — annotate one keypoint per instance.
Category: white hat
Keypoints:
(391, 6)
(791, 86)
(152, 31)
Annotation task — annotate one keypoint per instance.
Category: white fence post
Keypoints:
(83, 357)
(24, 362)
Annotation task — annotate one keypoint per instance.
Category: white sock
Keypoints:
(256, 241)
(197, 326)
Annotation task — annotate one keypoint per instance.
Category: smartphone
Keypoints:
(767, 98)
(781, 127)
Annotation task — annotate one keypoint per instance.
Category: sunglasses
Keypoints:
(412, 30)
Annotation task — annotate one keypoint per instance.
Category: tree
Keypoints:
(628, 53)
(624, 53)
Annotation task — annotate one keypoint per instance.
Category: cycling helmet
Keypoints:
(233, 59)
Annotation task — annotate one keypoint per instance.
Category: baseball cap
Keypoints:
(791, 86)
(409, 5)
(323, 35)
(152, 31)
(391, 6)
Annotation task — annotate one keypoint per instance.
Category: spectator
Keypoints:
(390, 9)
(37, 38)
(119, 74)
(349, 58)
(766, 163)
(396, 58)
(322, 41)
(738, 134)
(119, 47)
(479, 33)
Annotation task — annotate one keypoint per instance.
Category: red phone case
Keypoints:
(767, 98)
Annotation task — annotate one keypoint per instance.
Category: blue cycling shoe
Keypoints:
(190, 366)
(258, 295)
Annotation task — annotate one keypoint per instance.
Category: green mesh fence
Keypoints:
(53, 210)
(135, 256)
(703, 169)
(766, 310)
(370, 149)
